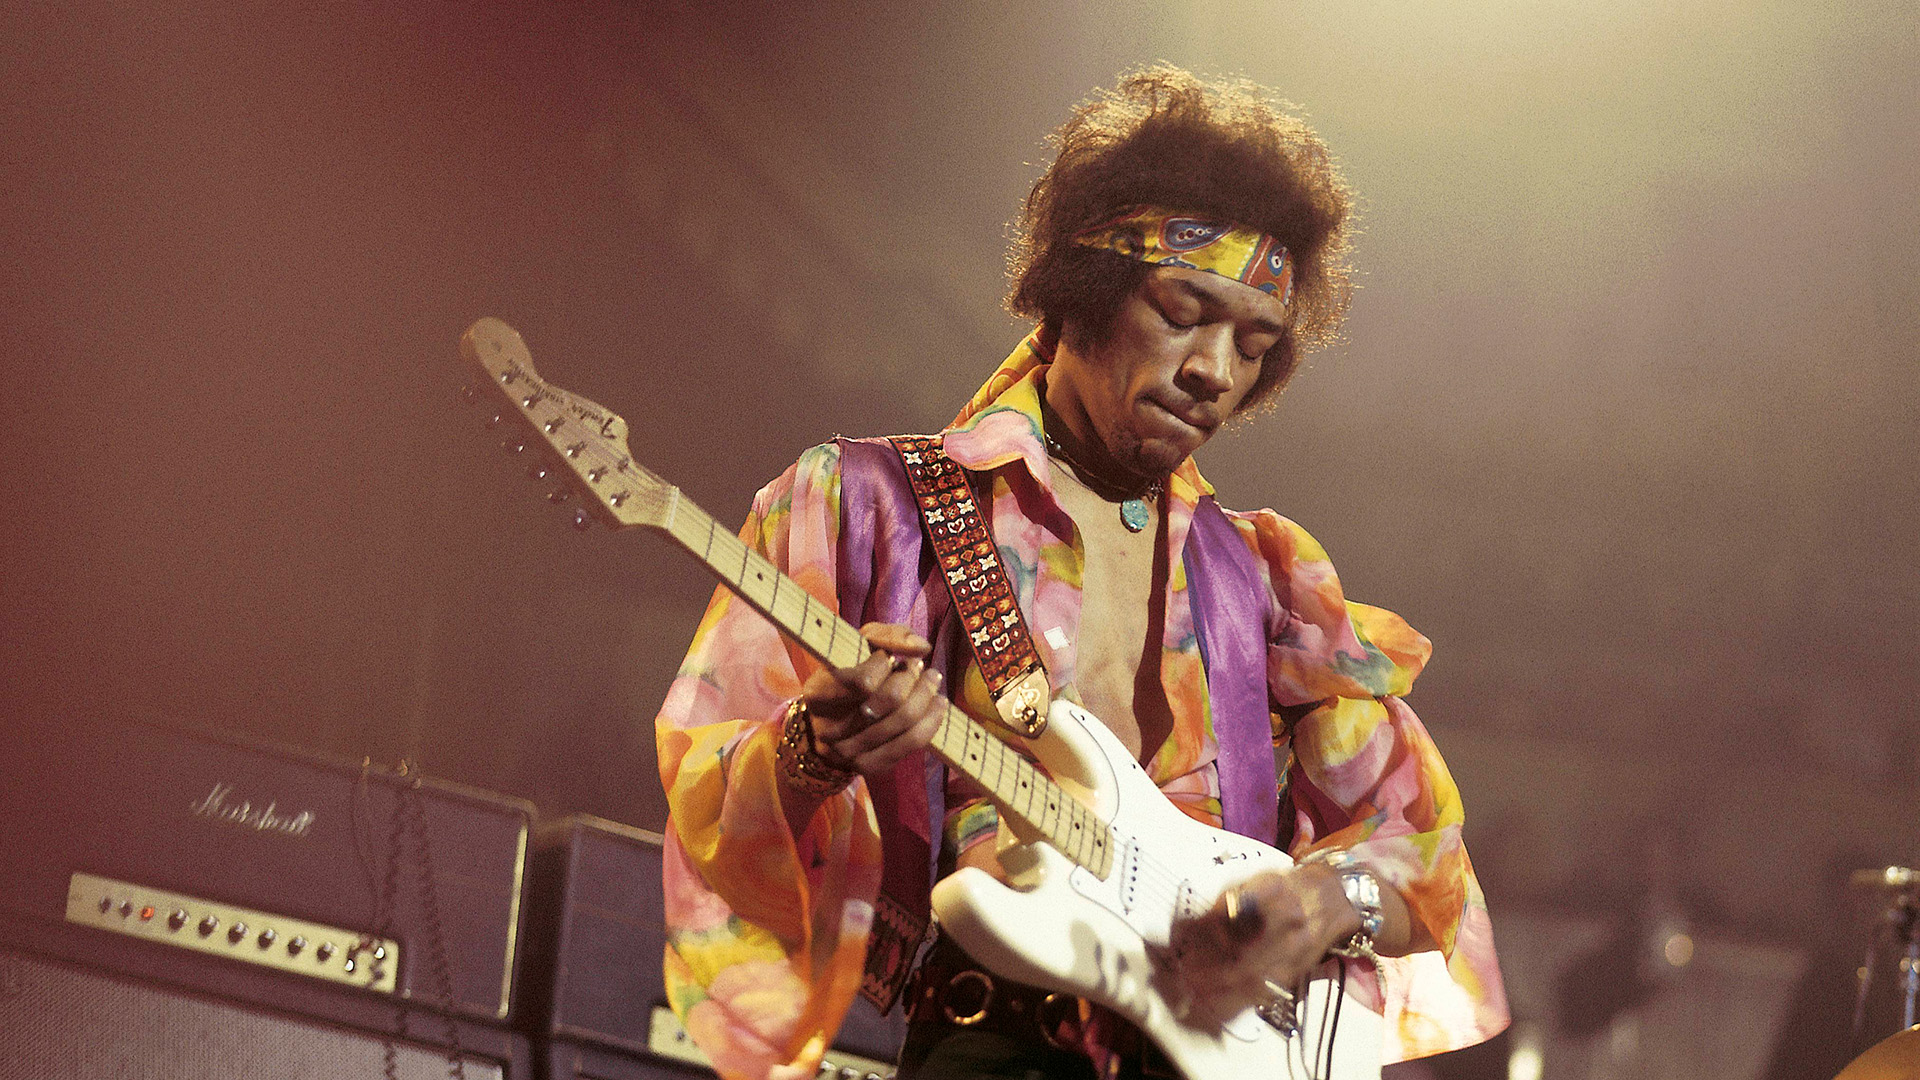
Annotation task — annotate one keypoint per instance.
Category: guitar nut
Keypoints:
(954, 989)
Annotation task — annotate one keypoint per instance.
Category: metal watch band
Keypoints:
(1363, 892)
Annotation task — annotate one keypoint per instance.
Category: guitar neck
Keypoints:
(589, 445)
(1017, 787)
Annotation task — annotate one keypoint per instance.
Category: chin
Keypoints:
(1154, 458)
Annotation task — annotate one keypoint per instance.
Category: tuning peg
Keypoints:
(537, 471)
(515, 446)
(581, 520)
(556, 496)
(469, 395)
(493, 421)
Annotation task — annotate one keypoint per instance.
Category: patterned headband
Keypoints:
(1164, 238)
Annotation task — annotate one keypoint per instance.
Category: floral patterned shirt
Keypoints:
(768, 930)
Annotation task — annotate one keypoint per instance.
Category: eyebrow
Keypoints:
(1206, 294)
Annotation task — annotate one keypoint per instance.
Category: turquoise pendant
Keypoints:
(1135, 514)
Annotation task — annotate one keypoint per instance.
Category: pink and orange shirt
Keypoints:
(768, 930)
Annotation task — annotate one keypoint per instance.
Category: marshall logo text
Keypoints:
(243, 813)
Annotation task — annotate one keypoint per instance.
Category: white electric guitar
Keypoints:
(1099, 864)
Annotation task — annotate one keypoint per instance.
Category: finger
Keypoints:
(896, 640)
(893, 689)
(836, 697)
(891, 712)
(924, 727)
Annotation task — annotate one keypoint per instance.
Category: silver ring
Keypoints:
(866, 710)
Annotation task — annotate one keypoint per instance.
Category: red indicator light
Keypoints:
(146, 913)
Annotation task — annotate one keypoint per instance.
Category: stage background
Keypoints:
(1625, 420)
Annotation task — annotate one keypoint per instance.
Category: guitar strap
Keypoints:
(1231, 608)
(982, 595)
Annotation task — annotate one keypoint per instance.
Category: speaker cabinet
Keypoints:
(592, 993)
(61, 1021)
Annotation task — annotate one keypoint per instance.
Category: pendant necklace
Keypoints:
(1136, 504)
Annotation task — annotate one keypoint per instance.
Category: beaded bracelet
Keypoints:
(800, 760)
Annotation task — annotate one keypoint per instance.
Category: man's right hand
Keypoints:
(869, 716)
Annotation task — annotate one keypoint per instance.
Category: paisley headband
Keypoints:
(1164, 238)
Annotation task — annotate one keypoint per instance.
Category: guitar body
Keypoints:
(1059, 926)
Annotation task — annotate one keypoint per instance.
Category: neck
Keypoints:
(1090, 465)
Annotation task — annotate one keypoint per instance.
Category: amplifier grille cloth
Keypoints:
(62, 1023)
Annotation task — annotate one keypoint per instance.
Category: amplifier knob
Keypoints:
(208, 925)
(176, 920)
(237, 932)
(294, 946)
(266, 937)
(324, 953)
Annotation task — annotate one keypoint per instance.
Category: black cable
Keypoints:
(437, 964)
(1339, 994)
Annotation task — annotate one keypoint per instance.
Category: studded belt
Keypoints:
(951, 989)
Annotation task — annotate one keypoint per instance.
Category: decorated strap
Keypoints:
(982, 595)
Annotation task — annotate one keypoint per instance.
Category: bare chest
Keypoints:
(1122, 620)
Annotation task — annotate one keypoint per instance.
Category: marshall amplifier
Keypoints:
(244, 870)
(61, 1021)
(592, 991)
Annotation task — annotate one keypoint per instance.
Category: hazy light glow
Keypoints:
(1678, 950)
(1526, 1062)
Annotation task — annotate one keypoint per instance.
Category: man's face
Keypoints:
(1184, 351)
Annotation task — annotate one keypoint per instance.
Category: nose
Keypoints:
(1208, 367)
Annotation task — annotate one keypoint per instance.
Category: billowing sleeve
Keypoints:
(766, 931)
(1367, 777)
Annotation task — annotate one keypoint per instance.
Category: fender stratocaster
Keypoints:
(1099, 864)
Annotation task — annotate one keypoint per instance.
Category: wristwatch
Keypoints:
(1363, 892)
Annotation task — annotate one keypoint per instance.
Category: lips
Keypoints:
(1197, 417)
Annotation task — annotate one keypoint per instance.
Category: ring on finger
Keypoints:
(868, 711)
(1244, 917)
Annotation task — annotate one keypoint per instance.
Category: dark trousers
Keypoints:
(940, 1051)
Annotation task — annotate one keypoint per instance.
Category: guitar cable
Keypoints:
(1330, 1031)
(409, 817)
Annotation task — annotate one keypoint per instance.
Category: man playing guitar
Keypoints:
(1182, 252)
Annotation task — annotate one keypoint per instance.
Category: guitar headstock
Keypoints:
(589, 443)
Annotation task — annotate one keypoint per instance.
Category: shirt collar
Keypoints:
(1002, 424)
